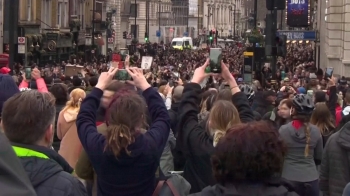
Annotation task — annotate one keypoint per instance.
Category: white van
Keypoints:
(181, 43)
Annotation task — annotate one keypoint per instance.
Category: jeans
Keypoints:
(306, 188)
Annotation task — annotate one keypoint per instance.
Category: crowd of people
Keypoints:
(175, 129)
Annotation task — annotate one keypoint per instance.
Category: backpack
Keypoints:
(171, 185)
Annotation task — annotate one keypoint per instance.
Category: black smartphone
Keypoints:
(28, 72)
(122, 75)
(215, 60)
(329, 73)
(171, 83)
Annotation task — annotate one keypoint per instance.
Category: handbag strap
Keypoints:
(172, 188)
(159, 186)
(170, 185)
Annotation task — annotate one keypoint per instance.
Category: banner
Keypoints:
(297, 13)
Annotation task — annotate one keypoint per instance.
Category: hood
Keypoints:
(298, 135)
(175, 106)
(344, 136)
(70, 114)
(346, 110)
(244, 189)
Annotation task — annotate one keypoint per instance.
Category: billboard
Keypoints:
(298, 13)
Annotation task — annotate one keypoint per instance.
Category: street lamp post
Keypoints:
(198, 20)
(159, 15)
(135, 30)
(208, 16)
(93, 22)
(188, 15)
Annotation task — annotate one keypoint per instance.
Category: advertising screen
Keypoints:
(297, 13)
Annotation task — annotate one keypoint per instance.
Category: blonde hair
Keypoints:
(322, 118)
(75, 99)
(308, 137)
(223, 115)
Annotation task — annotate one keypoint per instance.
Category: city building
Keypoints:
(58, 30)
(223, 16)
(335, 36)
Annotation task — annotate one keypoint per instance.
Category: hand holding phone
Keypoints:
(28, 73)
(329, 73)
(122, 75)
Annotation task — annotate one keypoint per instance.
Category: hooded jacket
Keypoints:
(70, 147)
(48, 172)
(13, 178)
(335, 167)
(195, 141)
(296, 166)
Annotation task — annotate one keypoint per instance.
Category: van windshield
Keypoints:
(176, 43)
(187, 43)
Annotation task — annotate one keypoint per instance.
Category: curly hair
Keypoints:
(248, 152)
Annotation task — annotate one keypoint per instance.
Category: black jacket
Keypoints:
(174, 110)
(48, 172)
(195, 141)
(13, 178)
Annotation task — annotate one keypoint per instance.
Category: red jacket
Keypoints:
(40, 83)
(338, 114)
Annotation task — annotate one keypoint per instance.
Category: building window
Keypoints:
(81, 15)
(29, 10)
(132, 30)
(46, 14)
(62, 13)
(133, 10)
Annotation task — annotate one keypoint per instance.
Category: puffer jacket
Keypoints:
(48, 172)
(335, 167)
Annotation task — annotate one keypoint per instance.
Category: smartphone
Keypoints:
(329, 72)
(28, 73)
(215, 60)
(122, 75)
(171, 83)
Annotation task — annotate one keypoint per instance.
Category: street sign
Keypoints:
(158, 33)
(185, 34)
(111, 40)
(230, 31)
(21, 49)
(21, 40)
(21, 45)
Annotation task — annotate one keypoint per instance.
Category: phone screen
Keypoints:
(123, 75)
(28, 72)
(215, 60)
(329, 72)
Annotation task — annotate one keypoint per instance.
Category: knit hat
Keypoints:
(8, 88)
(302, 90)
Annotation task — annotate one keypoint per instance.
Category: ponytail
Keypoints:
(118, 139)
(217, 136)
(307, 134)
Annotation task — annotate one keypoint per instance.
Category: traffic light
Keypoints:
(210, 35)
(125, 34)
(146, 37)
(281, 44)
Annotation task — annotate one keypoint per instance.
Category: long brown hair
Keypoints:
(322, 118)
(125, 117)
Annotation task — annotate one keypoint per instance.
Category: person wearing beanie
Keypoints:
(302, 90)
(8, 88)
(40, 83)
